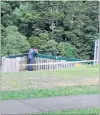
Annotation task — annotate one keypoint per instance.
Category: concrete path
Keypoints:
(28, 106)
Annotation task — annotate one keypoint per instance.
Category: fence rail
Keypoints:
(59, 65)
(64, 62)
(20, 64)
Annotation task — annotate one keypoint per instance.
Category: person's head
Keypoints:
(33, 48)
(36, 50)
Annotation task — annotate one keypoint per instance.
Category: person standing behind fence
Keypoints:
(31, 57)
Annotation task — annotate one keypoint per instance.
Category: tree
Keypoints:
(67, 50)
(13, 42)
(50, 47)
(39, 41)
(76, 24)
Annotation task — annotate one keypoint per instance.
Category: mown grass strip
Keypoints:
(61, 91)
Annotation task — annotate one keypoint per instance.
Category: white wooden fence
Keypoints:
(20, 64)
(59, 65)
(10, 65)
(14, 64)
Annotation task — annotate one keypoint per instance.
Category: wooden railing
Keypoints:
(20, 64)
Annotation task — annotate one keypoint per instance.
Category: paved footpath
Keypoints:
(28, 106)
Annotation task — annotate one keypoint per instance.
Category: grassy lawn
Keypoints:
(84, 75)
(94, 111)
(61, 91)
(83, 71)
(73, 81)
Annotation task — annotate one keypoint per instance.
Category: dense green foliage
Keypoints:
(13, 42)
(66, 28)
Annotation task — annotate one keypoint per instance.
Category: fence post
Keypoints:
(18, 67)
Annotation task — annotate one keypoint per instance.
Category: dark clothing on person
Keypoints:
(32, 53)
(31, 58)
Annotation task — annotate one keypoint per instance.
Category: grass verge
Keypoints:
(94, 111)
(61, 91)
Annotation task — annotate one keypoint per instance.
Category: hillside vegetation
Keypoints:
(66, 28)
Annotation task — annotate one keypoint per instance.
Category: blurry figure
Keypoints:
(31, 57)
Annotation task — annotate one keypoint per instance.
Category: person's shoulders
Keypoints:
(31, 50)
